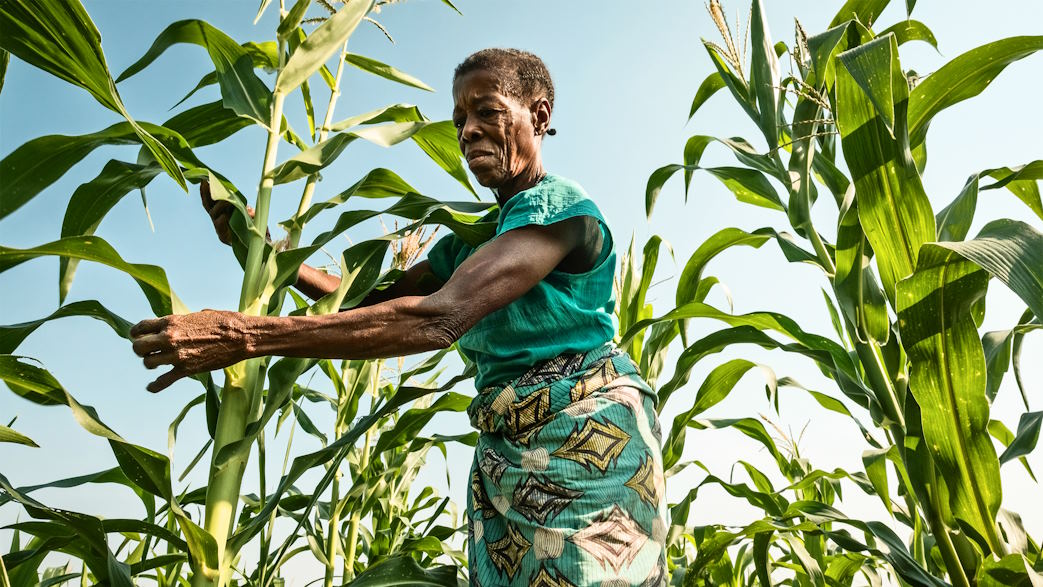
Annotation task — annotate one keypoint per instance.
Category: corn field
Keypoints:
(837, 164)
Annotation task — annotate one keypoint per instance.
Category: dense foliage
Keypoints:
(904, 289)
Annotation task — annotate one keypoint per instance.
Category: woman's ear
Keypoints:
(540, 111)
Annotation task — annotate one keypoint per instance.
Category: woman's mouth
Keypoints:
(476, 156)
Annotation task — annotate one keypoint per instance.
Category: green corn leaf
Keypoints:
(722, 240)
(875, 462)
(954, 221)
(59, 37)
(323, 154)
(12, 335)
(333, 455)
(385, 71)
(412, 421)
(964, 77)
(740, 147)
(1021, 181)
(857, 290)
(400, 571)
(716, 387)
(1002, 350)
(206, 124)
(708, 88)
(1012, 252)
(892, 207)
(293, 18)
(145, 468)
(33, 166)
(88, 541)
(438, 140)
(947, 378)
(764, 74)
(5, 59)
(390, 113)
(748, 185)
(1013, 569)
(114, 475)
(735, 84)
(320, 45)
(12, 436)
(92, 200)
(911, 30)
(1004, 436)
(864, 11)
(151, 279)
(241, 90)
(824, 47)
(1024, 441)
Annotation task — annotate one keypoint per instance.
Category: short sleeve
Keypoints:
(549, 202)
(446, 255)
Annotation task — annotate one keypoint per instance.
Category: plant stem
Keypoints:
(353, 524)
(324, 131)
(241, 395)
(333, 537)
(941, 535)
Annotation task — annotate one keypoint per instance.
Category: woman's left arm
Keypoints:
(495, 275)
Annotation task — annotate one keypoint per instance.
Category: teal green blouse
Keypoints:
(564, 313)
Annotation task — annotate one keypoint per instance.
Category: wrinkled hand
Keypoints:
(192, 343)
(220, 213)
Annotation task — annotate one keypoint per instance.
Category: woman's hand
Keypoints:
(192, 343)
(220, 213)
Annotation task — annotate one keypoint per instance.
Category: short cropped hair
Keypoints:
(525, 76)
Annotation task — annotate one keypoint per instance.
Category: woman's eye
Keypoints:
(486, 112)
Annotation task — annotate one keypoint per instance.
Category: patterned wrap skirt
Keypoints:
(567, 486)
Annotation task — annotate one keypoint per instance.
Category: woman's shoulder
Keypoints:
(554, 198)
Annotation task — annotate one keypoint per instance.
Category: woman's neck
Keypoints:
(519, 183)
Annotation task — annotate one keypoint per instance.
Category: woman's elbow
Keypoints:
(444, 331)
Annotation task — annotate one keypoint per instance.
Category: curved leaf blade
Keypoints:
(385, 71)
(151, 279)
(948, 379)
(320, 45)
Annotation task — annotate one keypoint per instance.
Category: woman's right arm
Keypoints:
(418, 280)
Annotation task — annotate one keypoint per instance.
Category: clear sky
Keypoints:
(625, 74)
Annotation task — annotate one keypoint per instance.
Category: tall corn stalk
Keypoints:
(924, 378)
(60, 38)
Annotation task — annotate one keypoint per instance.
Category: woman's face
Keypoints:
(499, 136)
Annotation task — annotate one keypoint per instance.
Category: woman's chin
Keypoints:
(488, 178)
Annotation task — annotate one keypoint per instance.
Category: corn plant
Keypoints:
(171, 546)
(909, 293)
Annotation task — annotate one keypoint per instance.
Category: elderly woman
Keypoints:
(566, 487)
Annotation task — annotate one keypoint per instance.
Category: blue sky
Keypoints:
(625, 75)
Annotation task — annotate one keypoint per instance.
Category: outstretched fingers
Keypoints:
(150, 326)
(165, 380)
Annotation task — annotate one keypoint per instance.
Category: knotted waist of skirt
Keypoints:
(520, 407)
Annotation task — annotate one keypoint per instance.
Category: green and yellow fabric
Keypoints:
(567, 486)
(567, 480)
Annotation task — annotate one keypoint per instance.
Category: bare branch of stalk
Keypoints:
(309, 187)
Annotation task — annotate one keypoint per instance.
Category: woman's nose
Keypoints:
(469, 131)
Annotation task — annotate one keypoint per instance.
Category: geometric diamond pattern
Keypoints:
(613, 539)
(539, 499)
(479, 498)
(656, 578)
(543, 578)
(551, 370)
(597, 443)
(493, 464)
(594, 379)
(507, 553)
(525, 415)
(644, 482)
